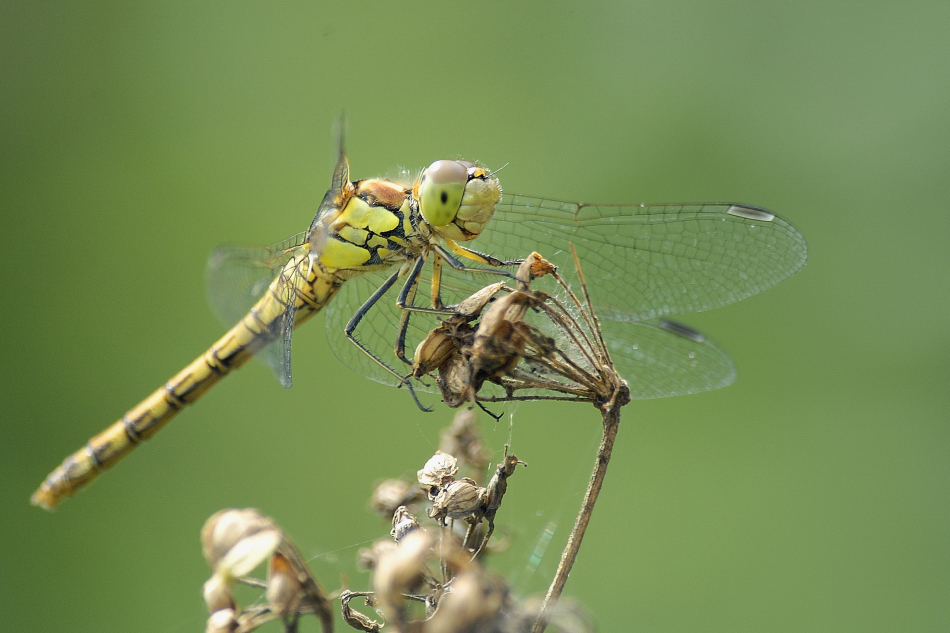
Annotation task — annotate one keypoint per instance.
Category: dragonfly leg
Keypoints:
(457, 264)
(355, 321)
(408, 293)
(437, 281)
(495, 416)
(481, 258)
(406, 296)
(404, 300)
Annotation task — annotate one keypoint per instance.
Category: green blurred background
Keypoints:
(810, 496)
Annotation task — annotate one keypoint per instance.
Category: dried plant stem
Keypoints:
(611, 419)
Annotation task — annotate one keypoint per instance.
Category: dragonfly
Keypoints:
(383, 256)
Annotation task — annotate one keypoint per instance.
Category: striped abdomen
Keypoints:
(254, 332)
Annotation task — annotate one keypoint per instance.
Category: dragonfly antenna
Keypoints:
(492, 174)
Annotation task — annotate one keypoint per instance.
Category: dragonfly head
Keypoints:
(457, 198)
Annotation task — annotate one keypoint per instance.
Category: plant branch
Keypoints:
(610, 411)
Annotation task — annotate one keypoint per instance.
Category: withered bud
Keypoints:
(217, 594)
(462, 438)
(354, 618)
(511, 308)
(368, 557)
(391, 494)
(432, 352)
(459, 499)
(283, 586)
(498, 484)
(533, 267)
(456, 381)
(400, 572)
(222, 621)
(403, 523)
(249, 552)
(473, 305)
(452, 554)
(438, 471)
(474, 603)
(225, 528)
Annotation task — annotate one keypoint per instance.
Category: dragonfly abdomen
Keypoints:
(252, 334)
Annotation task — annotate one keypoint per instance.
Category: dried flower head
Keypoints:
(459, 499)
(392, 493)
(464, 440)
(400, 572)
(403, 523)
(284, 590)
(225, 529)
(559, 355)
(235, 542)
(438, 471)
(368, 557)
(222, 621)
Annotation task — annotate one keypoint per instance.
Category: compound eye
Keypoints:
(441, 190)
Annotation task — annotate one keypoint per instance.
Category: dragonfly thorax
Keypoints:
(374, 225)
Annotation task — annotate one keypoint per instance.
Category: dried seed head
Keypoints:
(462, 438)
(225, 528)
(400, 572)
(248, 553)
(403, 523)
(455, 381)
(368, 557)
(222, 621)
(476, 602)
(432, 352)
(217, 594)
(443, 343)
(283, 586)
(499, 340)
(391, 494)
(473, 305)
(459, 499)
(522, 357)
(438, 471)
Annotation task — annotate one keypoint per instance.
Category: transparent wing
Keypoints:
(237, 278)
(377, 330)
(661, 358)
(641, 262)
(646, 261)
(658, 358)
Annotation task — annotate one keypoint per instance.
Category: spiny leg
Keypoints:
(437, 281)
(408, 292)
(457, 265)
(355, 321)
(406, 296)
(481, 258)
